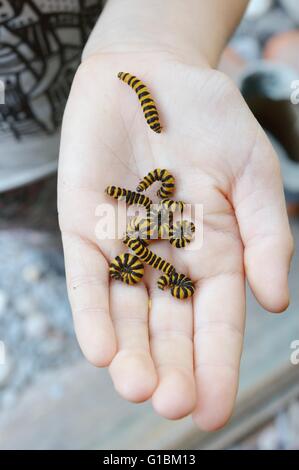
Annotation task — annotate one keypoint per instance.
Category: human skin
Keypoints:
(183, 355)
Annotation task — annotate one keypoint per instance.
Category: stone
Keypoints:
(25, 305)
(284, 48)
(3, 302)
(14, 332)
(5, 371)
(31, 273)
(53, 345)
(36, 326)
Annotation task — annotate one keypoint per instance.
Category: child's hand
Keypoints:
(183, 354)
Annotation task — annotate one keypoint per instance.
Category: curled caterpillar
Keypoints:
(166, 178)
(126, 268)
(181, 286)
(147, 103)
(155, 226)
(158, 225)
(131, 197)
(181, 233)
(159, 222)
(138, 227)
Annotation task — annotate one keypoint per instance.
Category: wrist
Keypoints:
(193, 30)
(148, 26)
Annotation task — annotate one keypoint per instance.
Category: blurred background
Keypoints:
(50, 398)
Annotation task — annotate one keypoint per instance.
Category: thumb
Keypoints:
(260, 209)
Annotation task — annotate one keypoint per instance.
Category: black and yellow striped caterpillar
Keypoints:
(131, 197)
(172, 205)
(146, 255)
(160, 226)
(166, 178)
(147, 103)
(155, 226)
(127, 268)
(181, 286)
(181, 233)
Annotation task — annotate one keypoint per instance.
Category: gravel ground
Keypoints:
(35, 319)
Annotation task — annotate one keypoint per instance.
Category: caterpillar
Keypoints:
(147, 256)
(158, 226)
(131, 197)
(172, 205)
(181, 233)
(155, 226)
(166, 178)
(139, 228)
(181, 286)
(147, 103)
(127, 268)
(159, 222)
(163, 281)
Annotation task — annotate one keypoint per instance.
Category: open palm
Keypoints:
(183, 354)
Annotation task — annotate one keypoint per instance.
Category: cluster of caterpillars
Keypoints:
(159, 221)
(157, 224)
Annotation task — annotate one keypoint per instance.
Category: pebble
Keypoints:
(31, 273)
(36, 326)
(14, 332)
(52, 345)
(24, 305)
(257, 8)
(284, 48)
(3, 302)
(5, 371)
(292, 7)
